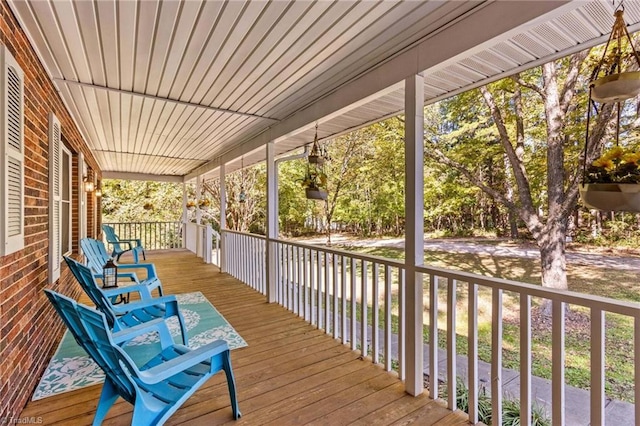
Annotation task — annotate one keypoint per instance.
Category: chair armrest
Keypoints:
(141, 289)
(131, 275)
(130, 240)
(138, 330)
(177, 365)
(170, 302)
(150, 267)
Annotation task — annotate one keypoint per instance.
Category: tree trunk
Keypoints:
(553, 261)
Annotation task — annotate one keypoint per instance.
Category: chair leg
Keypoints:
(231, 383)
(108, 396)
(183, 329)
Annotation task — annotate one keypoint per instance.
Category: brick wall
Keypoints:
(29, 328)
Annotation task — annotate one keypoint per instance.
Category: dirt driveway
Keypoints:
(497, 248)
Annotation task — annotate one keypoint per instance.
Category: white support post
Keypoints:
(223, 221)
(272, 223)
(198, 198)
(184, 215)
(414, 236)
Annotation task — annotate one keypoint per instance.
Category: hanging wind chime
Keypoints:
(611, 183)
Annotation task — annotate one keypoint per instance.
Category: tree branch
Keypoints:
(439, 156)
(516, 78)
(568, 90)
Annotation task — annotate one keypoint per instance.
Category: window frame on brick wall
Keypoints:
(66, 200)
(11, 154)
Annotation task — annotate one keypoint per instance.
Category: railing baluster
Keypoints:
(305, 310)
(636, 364)
(496, 356)
(401, 325)
(343, 295)
(335, 332)
(433, 336)
(312, 284)
(319, 276)
(451, 344)
(327, 294)
(525, 359)
(282, 274)
(352, 328)
(557, 362)
(375, 302)
(300, 269)
(387, 318)
(597, 366)
(472, 313)
(292, 277)
(364, 315)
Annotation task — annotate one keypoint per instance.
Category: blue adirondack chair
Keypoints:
(126, 315)
(96, 254)
(121, 246)
(158, 388)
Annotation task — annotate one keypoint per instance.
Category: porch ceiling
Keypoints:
(175, 88)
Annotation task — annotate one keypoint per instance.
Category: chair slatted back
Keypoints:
(95, 252)
(112, 238)
(90, 329)
(88, 283)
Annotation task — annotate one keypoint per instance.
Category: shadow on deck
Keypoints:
(290, 374)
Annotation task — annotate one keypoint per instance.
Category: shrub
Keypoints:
(510, 407)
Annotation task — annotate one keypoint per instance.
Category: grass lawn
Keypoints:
(613, 283)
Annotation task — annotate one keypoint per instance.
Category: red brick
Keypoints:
(29, 328)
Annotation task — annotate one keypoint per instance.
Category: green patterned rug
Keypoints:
(71, 368)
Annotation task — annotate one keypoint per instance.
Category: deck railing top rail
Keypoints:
(611, 305)
(345, 253)
(246, 234)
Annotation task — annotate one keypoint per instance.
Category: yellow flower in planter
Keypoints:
(617, 165)
(604, 163)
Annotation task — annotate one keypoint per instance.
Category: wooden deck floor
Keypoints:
(290, 374)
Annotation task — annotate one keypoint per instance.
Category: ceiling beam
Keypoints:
(160, 98)
(142, 177)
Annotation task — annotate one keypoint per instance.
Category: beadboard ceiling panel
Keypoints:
(175, 88)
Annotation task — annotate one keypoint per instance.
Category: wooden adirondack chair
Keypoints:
(158, 388)
(126, 315)
(96, 254)
(121, 246)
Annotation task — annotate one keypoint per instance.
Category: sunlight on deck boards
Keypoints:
(290, 374)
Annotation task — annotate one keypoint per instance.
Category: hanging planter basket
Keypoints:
(316, 159)
(316, 194)
(615, 197)
(616, 87)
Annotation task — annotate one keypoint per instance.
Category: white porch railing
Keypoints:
(244, 258)
(153, 235)
(339, 291)
(199, 240)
